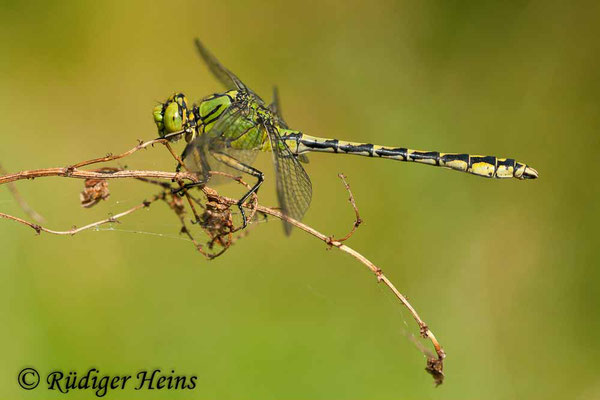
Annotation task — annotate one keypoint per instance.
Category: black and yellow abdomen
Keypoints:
(486, 166)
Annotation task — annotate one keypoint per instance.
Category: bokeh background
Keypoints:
(505, 272)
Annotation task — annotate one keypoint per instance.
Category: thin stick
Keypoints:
(175, 156)
(357, 220)
(21, 201)
(434, 366)
(114, 218)
(70, 172)
(184, 228)
(141, 145)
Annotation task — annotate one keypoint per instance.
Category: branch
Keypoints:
(72, 172)
(357, 220)
(434, 365)
(216, 221)
(140, 146)
(112, 219)
(21, 201)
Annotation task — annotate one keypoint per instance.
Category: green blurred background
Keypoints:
(505, 272)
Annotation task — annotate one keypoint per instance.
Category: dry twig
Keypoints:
(21, 201)
(216, 221)
(357, 220)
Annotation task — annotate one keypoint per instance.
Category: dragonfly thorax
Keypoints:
(212, 107)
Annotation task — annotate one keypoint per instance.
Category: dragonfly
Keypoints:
(225, 131)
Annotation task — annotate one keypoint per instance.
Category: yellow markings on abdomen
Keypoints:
(482, 165)
(454, 161)
(505, 168)
(486, 166)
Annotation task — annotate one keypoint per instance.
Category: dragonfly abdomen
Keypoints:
(486, 166)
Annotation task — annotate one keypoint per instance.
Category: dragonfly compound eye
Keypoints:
(158, 114)
(173, 118)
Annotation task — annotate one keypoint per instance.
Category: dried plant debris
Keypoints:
(215, 220)
(435, 367)
(176, 204)
(94, 191)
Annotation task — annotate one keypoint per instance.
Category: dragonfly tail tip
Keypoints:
(530, 173)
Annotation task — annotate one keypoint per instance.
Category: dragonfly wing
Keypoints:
(235, 122)
(294, 190)
(275, 106)
(223, 75)
(303, 158)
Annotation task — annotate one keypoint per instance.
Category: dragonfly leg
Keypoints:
(197, 152)
(240, 166)
(199, 156)
(182, 189)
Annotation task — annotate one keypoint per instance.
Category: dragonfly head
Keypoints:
(174, 115)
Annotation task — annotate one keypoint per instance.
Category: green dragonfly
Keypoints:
(225, 131)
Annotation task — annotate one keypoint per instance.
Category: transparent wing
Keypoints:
(275, 106)
(223, 75)
(294, 190)
(235, 122)
(226, 77)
